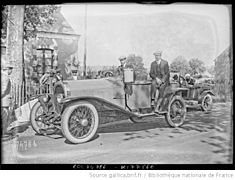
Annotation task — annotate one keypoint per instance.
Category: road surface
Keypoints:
(203, 139)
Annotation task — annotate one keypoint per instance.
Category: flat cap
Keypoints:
(122, 58)
(157, 53)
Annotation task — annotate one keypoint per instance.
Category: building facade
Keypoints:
(222, 75)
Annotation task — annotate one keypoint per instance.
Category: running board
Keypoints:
(149, 114)
(195, 106)
(146, 115)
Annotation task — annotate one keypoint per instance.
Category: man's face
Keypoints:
(157, 57)
(123, 62)
(9, 71)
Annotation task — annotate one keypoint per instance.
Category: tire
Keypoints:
(35, 125)
(172, 108)
(67, 121)
(207, 103)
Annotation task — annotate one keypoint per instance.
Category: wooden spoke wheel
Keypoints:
(80, 122)
(176, 112)
(207, 102)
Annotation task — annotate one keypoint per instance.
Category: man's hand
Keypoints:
(159, 81)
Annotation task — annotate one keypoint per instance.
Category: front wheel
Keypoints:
(80, 122)
(206, 104)
(36, 119)
(176, 113)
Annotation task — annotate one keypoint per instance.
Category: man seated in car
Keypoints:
(189, 80)
(160, 74)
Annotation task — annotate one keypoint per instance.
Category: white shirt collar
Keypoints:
(158, 62)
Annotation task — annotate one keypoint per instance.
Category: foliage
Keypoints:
(4, 22)
(136, 62)
(35, 17)
(223, 83)
(197, 66)
(181, 65)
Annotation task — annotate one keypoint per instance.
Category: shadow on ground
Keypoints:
(128, 126)
(217, 122)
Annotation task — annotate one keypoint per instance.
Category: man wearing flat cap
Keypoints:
(122, 60)
(159, 72)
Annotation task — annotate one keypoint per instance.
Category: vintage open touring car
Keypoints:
(78, 107)
(198, 95)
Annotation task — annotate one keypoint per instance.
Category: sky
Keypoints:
(114, 30)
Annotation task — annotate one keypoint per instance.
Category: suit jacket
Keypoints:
(5, 90)
(160, 71)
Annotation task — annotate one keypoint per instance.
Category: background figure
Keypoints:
(6, 71)
(159, 72)
(99, 75)
(189, 80)
(122, 60)
(68, 70)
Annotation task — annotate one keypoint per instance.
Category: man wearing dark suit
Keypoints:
(159, 72)
(6, 70)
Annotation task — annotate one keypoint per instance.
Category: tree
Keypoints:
(4, 22)
(35, 18)
(197, 66)
(136, 62)
(181, 65)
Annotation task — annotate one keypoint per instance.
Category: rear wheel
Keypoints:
(80, 122)
(176, 113)
(206, 104)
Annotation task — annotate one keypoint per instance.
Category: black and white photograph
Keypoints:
(117, 83)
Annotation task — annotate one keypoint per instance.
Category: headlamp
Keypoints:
(66, 89)
(59, 98)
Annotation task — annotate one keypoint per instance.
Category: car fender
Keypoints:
(100, 103)
(203, 94)
(169, 95)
